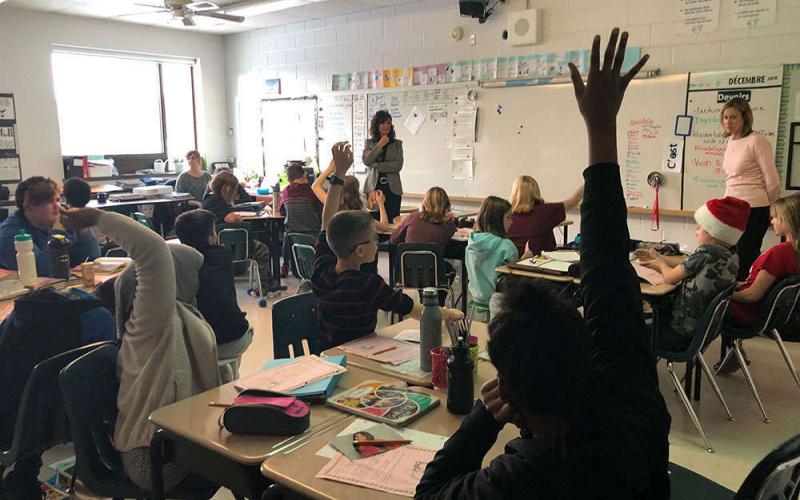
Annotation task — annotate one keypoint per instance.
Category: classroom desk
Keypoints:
(485, 370)
(127, 205)
(565, 225)
(298, 469)
(273, 226)
(232, 460)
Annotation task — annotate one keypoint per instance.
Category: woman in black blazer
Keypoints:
(383, 156)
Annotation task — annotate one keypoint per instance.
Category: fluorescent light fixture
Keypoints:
(259, 8)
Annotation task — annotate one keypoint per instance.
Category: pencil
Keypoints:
(219, 405)
(384, 350)
(369, 442)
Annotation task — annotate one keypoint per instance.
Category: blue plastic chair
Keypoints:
(294, 319)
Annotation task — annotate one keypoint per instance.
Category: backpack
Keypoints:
(44, 323)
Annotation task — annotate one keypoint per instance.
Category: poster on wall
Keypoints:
(9, 154)
(752, 13)
(697, 16)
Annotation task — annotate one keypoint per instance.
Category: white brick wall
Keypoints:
(305, 54)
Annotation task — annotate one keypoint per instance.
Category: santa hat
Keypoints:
(724, 219)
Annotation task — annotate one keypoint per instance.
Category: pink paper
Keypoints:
(382, 349)
(649, 275)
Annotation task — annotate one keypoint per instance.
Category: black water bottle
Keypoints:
(460, 382)
(58, 250)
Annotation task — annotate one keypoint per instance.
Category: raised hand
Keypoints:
(80, 218)
(342, 158)
(600, 98)
(380, 199)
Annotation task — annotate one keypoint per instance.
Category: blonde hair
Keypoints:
(787, 209)
(525, 194)
(742, 107)
(435, 205)
(351, 194)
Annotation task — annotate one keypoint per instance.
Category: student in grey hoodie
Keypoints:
(168, 351)
(488, 248)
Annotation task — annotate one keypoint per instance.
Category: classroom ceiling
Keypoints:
(133, 11)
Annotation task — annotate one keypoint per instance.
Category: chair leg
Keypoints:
(714, 384)
(786, 356)
(728, 354)
(737, 349)
(688, 406)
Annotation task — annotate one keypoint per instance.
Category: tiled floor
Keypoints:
(738, 445)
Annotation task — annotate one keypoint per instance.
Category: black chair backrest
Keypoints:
(420, 265)
(303, 259)
(776, 476)
(89, 386)
(779, 304)
(41, 421)
(294, 319)
(710, 324)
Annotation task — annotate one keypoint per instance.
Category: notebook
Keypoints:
(286, 377)
(547, 266)
(379, 401)
(315, 392)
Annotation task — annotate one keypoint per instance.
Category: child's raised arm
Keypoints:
(342, 159)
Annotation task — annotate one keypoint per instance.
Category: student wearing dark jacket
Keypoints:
(216, 296)
(583, 391)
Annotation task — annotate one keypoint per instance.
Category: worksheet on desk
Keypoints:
(382, 349)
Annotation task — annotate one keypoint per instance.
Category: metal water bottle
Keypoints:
(430, 327)
(58, 250)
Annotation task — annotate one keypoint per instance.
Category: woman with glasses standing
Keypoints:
(383, 156)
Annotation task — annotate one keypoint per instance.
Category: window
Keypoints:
(117, 104)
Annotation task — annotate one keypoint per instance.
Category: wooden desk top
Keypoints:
(485, 370)
(565, 222)
(145, 201)
(647, 289)
(193, 419)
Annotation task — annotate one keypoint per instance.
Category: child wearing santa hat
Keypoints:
(705, 273)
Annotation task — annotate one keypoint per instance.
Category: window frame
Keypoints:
(129, 163)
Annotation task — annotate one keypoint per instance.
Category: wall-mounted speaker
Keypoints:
(524, 27)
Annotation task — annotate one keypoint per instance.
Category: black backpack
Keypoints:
(44, 323)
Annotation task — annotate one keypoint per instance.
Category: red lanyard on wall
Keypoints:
(655, 219)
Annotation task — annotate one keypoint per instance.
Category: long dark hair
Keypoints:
(381, 116)
(490, 216)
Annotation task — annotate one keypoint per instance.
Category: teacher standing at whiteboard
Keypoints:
(383, 156)
(750, 175)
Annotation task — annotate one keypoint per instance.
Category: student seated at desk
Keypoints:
(77, 192)
(488, 248)
(37, 212)
(705, 273)
(301, 205)
(219, 201)
(584, 391)
(168, 351)
(533, 219)
(348, 295)
(433, 224)
(352, 200)
(194, 181)
(772, 266)
(216, 295)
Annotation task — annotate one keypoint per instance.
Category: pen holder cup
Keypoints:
(439, 367)
(473, 353)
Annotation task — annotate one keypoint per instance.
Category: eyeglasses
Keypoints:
(374, 241)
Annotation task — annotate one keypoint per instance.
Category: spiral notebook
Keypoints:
(385, 403)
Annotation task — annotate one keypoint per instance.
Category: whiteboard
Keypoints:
(705, 148)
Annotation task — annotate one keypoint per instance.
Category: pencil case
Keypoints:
(265, 413)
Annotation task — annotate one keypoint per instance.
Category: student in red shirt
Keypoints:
(533, 219)
(777, 263)
(433, 224)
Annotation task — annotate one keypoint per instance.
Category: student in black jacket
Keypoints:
(583, 391)
(216, 297)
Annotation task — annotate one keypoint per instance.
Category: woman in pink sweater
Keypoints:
(750, 175)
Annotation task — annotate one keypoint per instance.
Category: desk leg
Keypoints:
(566, 235)
(273, 241)
(697, 381)
(245, 481)
(687, 378)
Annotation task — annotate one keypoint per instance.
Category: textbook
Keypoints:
(384, 403)
(315, 392)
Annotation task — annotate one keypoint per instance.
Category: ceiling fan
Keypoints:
(186, 10)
